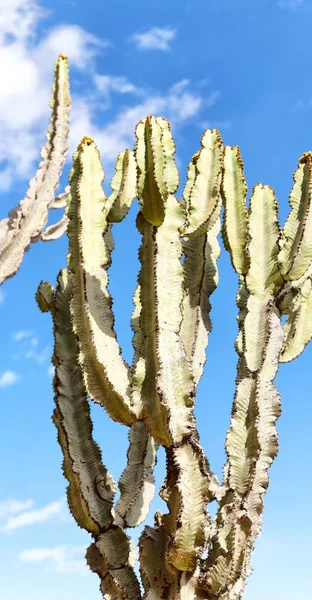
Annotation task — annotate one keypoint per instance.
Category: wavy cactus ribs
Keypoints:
(155, 396)
(26, 223)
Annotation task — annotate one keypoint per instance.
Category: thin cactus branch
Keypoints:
(27, 221)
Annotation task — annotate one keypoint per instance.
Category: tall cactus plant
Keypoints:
(186, 555)
(26, 223)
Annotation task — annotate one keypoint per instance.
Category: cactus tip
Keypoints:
(63, 56)
(305, 157)
(86, 140)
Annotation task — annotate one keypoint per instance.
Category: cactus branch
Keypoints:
(91, 488)
(107, 376)
(25, 223)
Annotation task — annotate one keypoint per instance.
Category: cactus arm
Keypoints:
(136, 484)
(202, 190)
(234, 191)
(158, 581)
(241, 301)
(107, 377)
(60, 200)
(200, 280)
(296, 253)
(165, 361)
(189, 473)
(26, 222)
(298, 326)
(91, 488)
(263, 279)
(252, 439)
(144, 324)
(203, 204)
(157, 173)
(112, 556)
(124, 187)
(54, 232)
(186, 493)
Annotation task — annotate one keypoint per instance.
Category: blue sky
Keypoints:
(241, 66)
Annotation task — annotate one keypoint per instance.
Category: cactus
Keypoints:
(186, 555)
(26, 223)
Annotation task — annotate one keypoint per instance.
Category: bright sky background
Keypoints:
(241, 66)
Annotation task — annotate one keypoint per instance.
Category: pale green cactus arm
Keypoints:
(60, 200)
(298, 326)
(252, 439)
(157, 579)
(200, 281)
(124, 187)
(295, 256)
(202, 191)
(137, 484)
(201, 252)
(25, 223)
(107, 377)
(165, 361)
(55, 231)
(234, 191)
(91, 488)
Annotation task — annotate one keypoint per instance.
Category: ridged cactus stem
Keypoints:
(91, 488)
(26, 223)
(171, 324)
(166, 383)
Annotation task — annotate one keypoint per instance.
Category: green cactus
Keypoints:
(155, 396)
(27, 222)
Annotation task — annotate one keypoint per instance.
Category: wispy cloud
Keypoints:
(156, 38)
(178, 104)
(63, 559)
(41, 355)
(30, 517)
(11, 507)
(108, 83)
(21, 335)
(28, 345)
(8, 378)
(24, 109)
(1, 292)
(51, 371)
(290, 4)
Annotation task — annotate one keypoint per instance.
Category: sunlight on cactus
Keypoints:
(186, 555)
(26, 223)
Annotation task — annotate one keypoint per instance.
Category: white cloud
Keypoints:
(63, 558)
(178, 105)
(51, 371)
(22, 334)
(19, 19)
(108, 83)
(24, 108)
(26, 68)
(156, 38)
(11, 507)
(41, 355)
(291, 4)
(1, 296)
(33, 516)
(8, 378)
(30, 346)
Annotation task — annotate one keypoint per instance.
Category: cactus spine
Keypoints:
(26, 223)
(155, 396)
